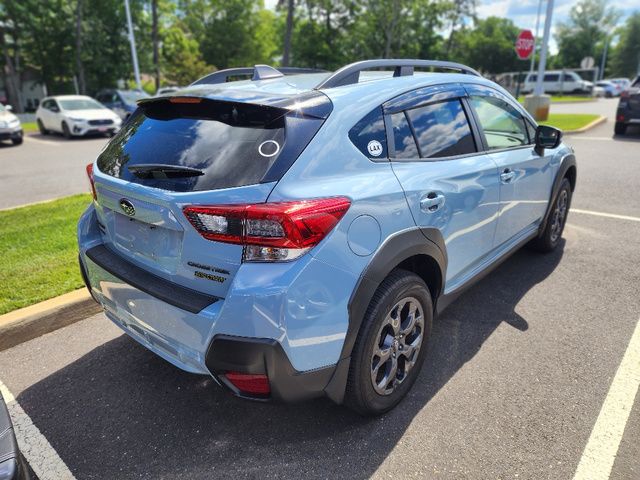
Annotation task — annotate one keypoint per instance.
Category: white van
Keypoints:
(557, 81)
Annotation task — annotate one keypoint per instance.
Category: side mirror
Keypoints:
(54, 109)
(9, 107)
(547, 137)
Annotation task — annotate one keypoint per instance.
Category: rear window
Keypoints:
(216, 144)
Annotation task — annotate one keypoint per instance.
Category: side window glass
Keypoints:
(502, 124)
(369, 135)
(442, 129)
(404, 143)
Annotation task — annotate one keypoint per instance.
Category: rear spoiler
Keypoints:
(196, 103)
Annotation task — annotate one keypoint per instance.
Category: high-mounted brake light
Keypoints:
(184, 100)
(91, 181)
(270, 231)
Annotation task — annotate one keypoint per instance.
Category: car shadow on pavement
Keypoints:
(122, 412)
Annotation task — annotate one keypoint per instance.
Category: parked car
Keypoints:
(75, 116)
(621, 83)
(295, 237)
(123, 102)
(606, 89)
(12, 464)
(628, 112)
(558, 81)
(166, 90)
(10, 127)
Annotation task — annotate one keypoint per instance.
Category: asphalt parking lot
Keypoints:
(514, 384)
(45, 167)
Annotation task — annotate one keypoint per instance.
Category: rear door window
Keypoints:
(403, 138)
(442, 129)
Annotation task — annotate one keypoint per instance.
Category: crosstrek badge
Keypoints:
(374, 148)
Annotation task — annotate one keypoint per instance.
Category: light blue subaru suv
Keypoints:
(294, 234)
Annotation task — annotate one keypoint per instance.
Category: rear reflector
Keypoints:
(252, 384)
(91, 181)
(270, 231)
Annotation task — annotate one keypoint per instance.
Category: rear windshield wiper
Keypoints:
(162, 171)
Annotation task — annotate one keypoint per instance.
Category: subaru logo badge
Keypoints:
(127, 207)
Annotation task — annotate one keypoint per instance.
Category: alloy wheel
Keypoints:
(398, 345)
(559, 215)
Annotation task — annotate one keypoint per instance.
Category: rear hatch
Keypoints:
(184, 151)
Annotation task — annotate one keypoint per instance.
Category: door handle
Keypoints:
(507, 175)
(431, 202)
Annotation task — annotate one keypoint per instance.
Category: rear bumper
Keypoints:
(265, 356)
(224, 353)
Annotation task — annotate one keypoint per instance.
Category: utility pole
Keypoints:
(543, 51)
(535, 39)
(604, 57)
(132, 41)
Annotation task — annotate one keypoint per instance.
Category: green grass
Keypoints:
(39, 251)
(30, 127)
(569, 121)
(567, 99)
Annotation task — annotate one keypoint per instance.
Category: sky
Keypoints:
(524, 12)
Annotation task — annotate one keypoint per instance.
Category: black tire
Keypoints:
(620, 128)
(382, 331)
(17, 140)
(65, 131)
(552, 233)
(43, 131)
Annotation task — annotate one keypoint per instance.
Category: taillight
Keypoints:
(91, 182)
(247, 383)
(270, 231)
(624, 94)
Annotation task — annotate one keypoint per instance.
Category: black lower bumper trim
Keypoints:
(169, 292)
(265, 356)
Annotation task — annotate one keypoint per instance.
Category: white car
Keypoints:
(557, 81)
(10, 128)
(166, 91)
(75, 115)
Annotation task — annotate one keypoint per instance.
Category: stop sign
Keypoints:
(524, 44)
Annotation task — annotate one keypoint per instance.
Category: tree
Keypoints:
(460, 10)
(155, 40)
(181, 58)
(489, 46)
(584, 33)
(286, 50)
(626, 56)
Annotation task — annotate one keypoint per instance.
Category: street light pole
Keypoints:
(604, 57)
(543, 51)
(132, 41)
(535, 39)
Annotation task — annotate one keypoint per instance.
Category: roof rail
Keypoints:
(350, 74)
(258, 72)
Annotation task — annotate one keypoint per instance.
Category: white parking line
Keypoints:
(34, 446)
(600, 453)
(607, 215)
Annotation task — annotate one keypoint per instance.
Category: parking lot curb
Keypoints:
(589, 126)
(30, 322)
